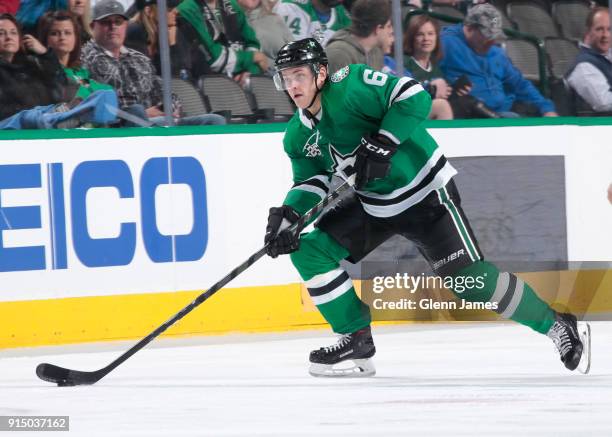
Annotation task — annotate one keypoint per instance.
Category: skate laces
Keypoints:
(342, 341)
(560, 337)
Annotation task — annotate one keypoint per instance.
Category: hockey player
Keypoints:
(371, 125)
(313, 18)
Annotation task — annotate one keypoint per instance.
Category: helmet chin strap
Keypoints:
(313, 99)
(307, 109)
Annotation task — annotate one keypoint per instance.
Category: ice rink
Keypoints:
(432, 380)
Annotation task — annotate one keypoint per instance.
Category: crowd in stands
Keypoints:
(591, 74)
(63, 60)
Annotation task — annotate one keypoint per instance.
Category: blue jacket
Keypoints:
(495, 80)
(99, 108)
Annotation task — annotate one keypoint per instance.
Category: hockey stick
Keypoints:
(67, 377)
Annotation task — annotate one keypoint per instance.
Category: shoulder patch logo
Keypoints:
(340, 74)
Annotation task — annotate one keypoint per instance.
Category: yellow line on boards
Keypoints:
(271, 308)
(85, 319)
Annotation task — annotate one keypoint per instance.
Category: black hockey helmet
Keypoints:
(300, 52)
(307, 51)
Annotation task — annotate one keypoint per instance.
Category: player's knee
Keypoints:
(306, 251)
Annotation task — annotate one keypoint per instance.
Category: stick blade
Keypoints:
(65, 377)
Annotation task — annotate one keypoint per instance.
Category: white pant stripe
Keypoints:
(455, 222)
(516, 299)
(337, 292)
(472, 250)
(324, 278)
(503, 280)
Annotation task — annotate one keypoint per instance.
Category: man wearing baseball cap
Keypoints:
(130, 72)
(471, 49)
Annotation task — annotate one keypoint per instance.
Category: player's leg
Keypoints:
(329, 285)
(345, 232)
(449, 244)
(332, 291)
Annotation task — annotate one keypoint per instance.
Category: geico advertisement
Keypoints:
(104, 183)
(87, 217)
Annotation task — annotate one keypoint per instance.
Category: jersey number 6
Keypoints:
(372, 77)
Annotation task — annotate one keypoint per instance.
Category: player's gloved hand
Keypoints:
(373, 159)
(280, 240)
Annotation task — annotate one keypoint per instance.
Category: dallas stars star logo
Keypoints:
(344, 165)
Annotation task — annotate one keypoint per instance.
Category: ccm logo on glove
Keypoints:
(375, 149)
(373, 159)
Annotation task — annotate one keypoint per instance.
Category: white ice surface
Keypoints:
(433, 380)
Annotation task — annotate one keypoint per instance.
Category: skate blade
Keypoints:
(584, 331)
(361, 368)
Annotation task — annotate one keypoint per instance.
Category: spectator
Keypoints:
(270, 28)
(225, 42)
(31, 10)
(59, 30)
(591, 74)
(82, 11)
(422, 53)
(366, 41)
(126, 3)
(419, 3)
(130, 72)
(470, 50)
(9, 6)
(143, 36)
(461, 5)
(138, 36)
(368, 38)
(317, 19)
(29, 77)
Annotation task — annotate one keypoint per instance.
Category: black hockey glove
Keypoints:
(373, 159)
(285, 241)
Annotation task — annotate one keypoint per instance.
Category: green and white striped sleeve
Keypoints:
(408, 106)
(401, 103)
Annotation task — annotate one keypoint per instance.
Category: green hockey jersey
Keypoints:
(303, 22)
(223, 56)
(357, 101)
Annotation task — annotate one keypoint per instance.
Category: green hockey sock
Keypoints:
(515, 300)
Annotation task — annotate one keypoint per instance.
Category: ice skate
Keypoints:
(573, 341)
(349, 357)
